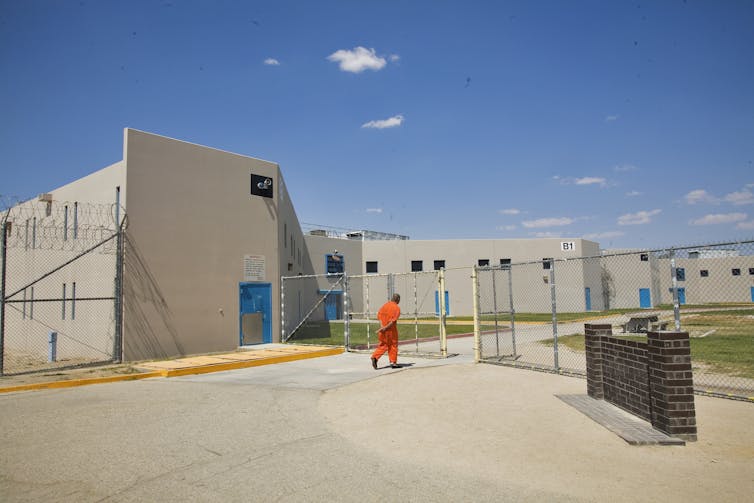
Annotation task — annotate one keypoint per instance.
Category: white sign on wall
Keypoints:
(253, 268)
(567, 246)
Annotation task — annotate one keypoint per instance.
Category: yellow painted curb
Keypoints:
(204, 369)
(79, 382)
(220, 367)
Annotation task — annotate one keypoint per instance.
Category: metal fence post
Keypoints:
(554, 315)
(118, 343)
(443, 314)
(513, 311)
(676, 302)
(475, 297)
(494, 309)
(282, 309)
(3, 278)
(346, 314)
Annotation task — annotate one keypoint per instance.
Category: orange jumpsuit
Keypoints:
(389, 338)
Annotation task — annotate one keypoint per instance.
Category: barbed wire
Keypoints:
(58, 225)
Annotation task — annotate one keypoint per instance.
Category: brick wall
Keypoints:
(652, 380)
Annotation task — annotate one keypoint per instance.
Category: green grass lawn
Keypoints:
(722, 340)
(331, 333)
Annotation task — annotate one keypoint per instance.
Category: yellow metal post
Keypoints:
(475, 295)
(443, 313)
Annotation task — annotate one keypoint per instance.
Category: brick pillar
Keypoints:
(593, 343)
(671, 384)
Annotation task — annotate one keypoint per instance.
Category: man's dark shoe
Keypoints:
(374, 363)
(394, 366)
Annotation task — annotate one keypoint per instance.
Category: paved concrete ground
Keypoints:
(334, 429)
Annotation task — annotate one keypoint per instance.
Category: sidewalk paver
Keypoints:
(630, 428)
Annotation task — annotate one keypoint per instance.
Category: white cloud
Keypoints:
(699, 196)
(604, 235)
(546, 234)
(591, 180)
(394, 58)
(547, 222)
(510, 211)
(741, 197)
(639, 218)
(357, 60)
(612, 118)
(506, 228)
(633, 193)
(271, 62)
(393, 121)
(719, 218)
(586, 180)
(745, 225)
(374, 210)
(622, 168)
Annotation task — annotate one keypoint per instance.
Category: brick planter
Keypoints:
(652, 380)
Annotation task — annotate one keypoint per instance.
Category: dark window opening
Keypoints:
(547, 263)
(416, 266)
(751, 271)
(334, 264)
(680, 274)
(644, 257)
(439, 264)
(371, 266)
(483, 262)
(704, 273)
(736, 272)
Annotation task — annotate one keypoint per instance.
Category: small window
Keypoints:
(680, 274)
(371, 266)
(735, 272)
(505, 261)
(416, 266)
(644, 257)
(751, 271)
(546, 263)
(334, 264)
(290, 267)
(483, 262)
(704, 273)
(439, 264)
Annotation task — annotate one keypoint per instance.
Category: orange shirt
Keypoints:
(387, 313)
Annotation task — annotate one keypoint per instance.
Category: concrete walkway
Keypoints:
(252, 356)
(334, 429)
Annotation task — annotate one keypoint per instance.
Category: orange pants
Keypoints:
(389, 343)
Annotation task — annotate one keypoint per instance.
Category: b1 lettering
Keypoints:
(567, 245)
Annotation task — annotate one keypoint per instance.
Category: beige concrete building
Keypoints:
(210, 234)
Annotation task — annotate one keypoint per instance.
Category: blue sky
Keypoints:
(629, 123)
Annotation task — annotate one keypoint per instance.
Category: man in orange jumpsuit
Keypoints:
(388, 332)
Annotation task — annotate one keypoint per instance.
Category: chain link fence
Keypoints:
(60, 302)
(339, 309)
(532, 314)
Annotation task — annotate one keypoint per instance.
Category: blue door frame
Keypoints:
(255, 298)
(447, 303)
(645, 298)
(588, 298)
(333, 301)
(681, 296)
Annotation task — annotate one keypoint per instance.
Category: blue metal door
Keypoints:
(588, 298)
(332, 301)
(681, 296)
(645, 299)
(752, 293)
(447, 303)
(255, 301)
